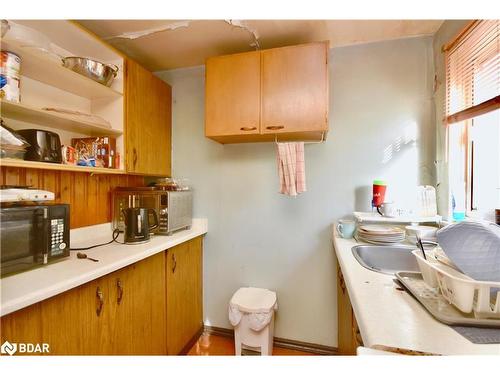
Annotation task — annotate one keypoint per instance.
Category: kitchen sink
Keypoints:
(386, 259)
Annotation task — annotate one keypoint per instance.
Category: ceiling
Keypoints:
(170, 44)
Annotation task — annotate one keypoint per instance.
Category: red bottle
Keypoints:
(379, 188)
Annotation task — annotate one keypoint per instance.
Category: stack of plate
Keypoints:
(380, 234)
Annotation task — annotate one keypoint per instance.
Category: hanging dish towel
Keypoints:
(291, 168)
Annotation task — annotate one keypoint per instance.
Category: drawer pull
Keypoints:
(134, 157)
(100, 301)
(248, 128)
(119, 286)
(174, 265)
(275, 127)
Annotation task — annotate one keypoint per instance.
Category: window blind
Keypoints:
(473, 71)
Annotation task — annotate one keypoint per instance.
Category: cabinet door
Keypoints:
(137, 295)
(77, 321)
(346, 333)
(148, 122)
(23, 326)
(232, 95)
(184, 294)
(295, 89)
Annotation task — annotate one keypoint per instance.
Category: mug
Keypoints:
(346, 228)
(387, 209)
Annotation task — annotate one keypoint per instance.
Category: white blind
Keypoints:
(473, 71)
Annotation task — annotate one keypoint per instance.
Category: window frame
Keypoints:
(489, 105)
(466, 117)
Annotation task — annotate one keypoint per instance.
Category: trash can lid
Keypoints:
(254, 300)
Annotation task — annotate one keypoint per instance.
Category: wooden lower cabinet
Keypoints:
(136, 293)
(184, 294)
(120, 313)
(70, 324)
(22, 326)
(143, 308)
(349, 336)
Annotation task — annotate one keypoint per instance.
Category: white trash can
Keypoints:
(251, 312)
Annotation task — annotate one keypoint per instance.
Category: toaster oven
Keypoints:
(174, 208)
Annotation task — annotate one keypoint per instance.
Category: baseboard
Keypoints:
(280, 342)
(193, 341)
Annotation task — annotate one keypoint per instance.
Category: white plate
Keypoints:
(360, 239)
(380, 229)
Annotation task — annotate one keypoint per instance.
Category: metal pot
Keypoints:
(95, 70)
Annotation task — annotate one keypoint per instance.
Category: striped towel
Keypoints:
(291, 168)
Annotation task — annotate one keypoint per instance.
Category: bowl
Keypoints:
(93, 69)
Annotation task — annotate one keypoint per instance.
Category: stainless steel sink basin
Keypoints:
(386, 259)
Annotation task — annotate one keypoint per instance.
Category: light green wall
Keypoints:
(380, 97)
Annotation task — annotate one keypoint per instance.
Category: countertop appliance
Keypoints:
(18, 194)
(137, 227)
(32, 235)
(44, 145)
(174, 208)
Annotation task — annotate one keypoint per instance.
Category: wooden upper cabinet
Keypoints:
(251, 97)
(232, 97)
(148, 122)
(295, 89)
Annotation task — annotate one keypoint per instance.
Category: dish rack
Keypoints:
(466, 294)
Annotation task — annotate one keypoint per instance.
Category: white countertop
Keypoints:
(389, 317)
(26, 288)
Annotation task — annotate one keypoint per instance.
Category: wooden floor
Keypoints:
(218, 345)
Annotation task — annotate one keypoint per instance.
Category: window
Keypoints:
(473, 119)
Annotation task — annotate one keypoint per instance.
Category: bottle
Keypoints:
(379, 189)
(458, 204)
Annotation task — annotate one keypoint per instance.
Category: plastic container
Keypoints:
(458, 204)
(468, 295)
(10, 76)
(12, 145)
(379, 189)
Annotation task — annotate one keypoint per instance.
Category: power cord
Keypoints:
(115, 235)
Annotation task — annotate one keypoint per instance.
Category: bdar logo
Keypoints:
(8, 348)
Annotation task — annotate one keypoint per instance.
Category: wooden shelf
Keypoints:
(23, 112)
(7, 162)
(48, 69)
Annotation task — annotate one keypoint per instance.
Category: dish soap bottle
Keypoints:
(458, 205)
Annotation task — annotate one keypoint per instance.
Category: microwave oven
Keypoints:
(32, 235)
(173, 208)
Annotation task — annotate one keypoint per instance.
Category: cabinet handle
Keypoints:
(275, 127)
(174, 265)
(248, 128)
(100, 301)
(341, 281)
(134, 157)
(356, 333)
(119, 286)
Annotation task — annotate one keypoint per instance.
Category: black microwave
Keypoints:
(32, 235)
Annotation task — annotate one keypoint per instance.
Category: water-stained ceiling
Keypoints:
(170, 44)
